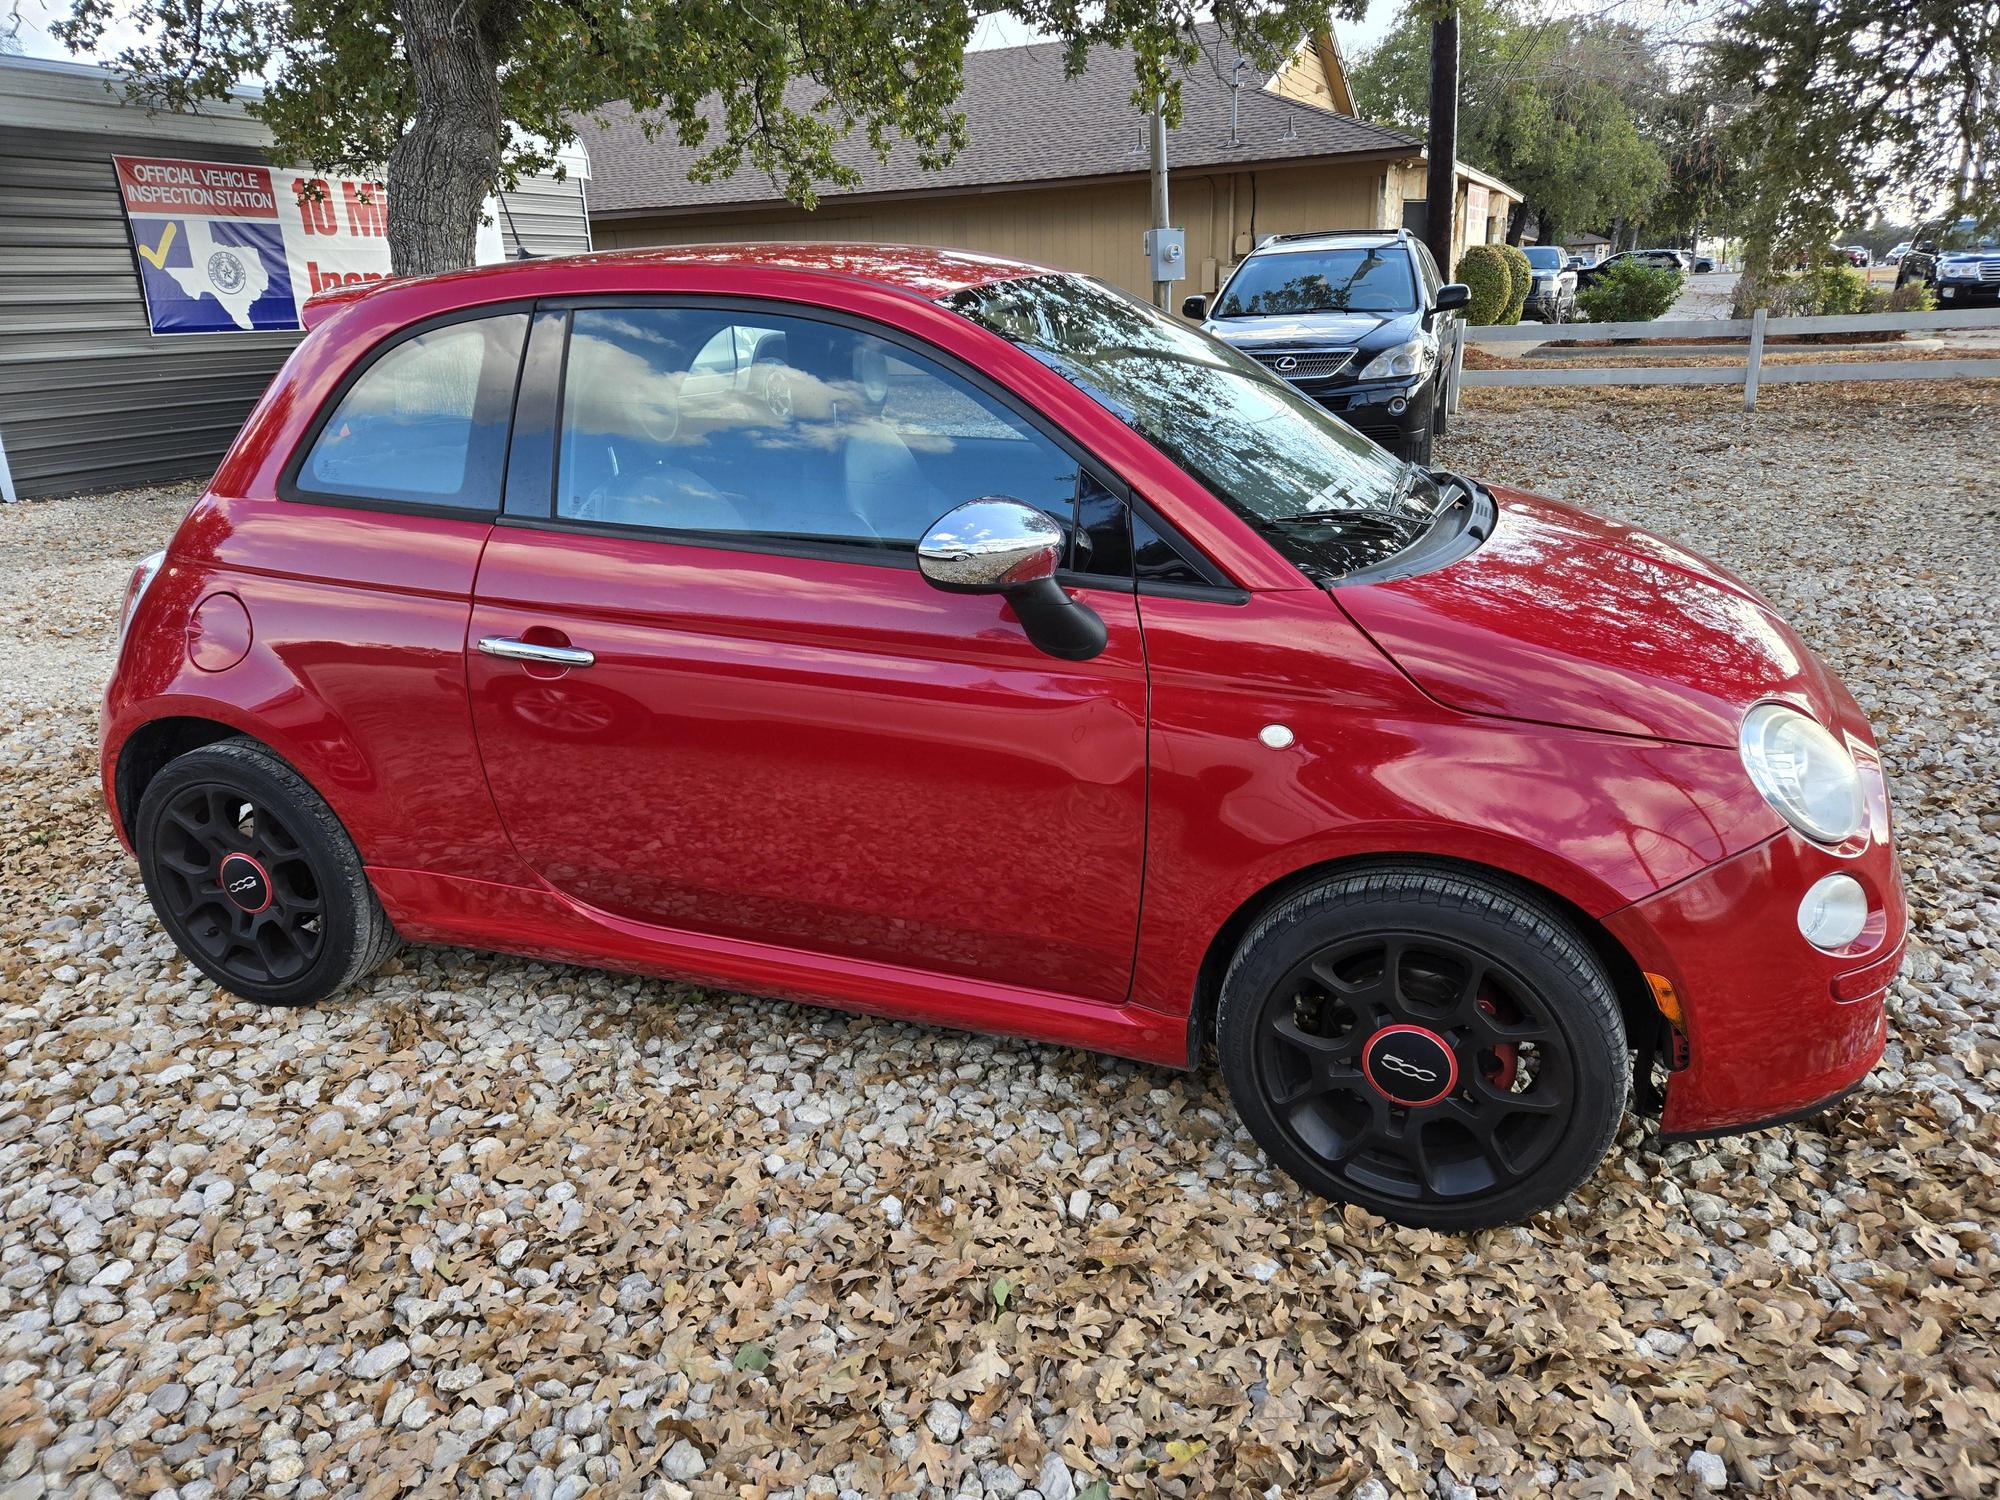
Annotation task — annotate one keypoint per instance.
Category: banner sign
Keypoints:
(228, 248)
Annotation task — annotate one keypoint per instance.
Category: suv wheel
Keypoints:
(255, 879)
(1437, 1048)
(1423, 441)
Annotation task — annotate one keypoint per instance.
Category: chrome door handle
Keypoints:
(548, 656)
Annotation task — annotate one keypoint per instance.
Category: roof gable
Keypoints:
(1025, 123)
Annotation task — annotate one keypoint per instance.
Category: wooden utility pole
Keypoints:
(1442, 196)
(1163, 291)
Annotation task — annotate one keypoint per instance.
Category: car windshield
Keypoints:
(1547, 257)
(1373, 279)
(1272, 454)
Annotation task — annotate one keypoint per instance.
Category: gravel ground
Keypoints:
(498, 1228)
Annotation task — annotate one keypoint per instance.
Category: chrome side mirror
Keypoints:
(997, 545)
(988, 546)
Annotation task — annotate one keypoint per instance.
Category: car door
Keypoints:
(752, 717)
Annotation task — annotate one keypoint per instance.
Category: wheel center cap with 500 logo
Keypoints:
(244, 882)
(1410, 1065)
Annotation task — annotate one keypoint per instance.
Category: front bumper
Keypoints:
(1959, 293)
(1367, 408)
(1775, 1028)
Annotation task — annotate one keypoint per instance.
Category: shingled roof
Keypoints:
(1025, 123)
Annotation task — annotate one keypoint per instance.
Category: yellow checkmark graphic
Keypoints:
(159, 256)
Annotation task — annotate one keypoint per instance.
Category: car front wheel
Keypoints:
(1437, 1047)
(254, 877)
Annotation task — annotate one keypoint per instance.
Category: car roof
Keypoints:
(925, 271)
(1319, 239)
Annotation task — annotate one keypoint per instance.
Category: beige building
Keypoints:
(1055, 170)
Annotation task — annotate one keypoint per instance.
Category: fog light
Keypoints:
(1397, 406)
(1833, 912)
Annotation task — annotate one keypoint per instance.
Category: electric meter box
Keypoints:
(1166, 250)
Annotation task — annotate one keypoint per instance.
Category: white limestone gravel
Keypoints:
(492, 1227)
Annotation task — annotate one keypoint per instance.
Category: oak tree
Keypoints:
(460, 97)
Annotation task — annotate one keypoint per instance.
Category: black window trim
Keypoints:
(289, 489)
(1220, 586)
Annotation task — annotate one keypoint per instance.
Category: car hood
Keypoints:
(1292, 330)
(1561, 617)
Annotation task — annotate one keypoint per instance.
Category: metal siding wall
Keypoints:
(546, 216)
(89, 398)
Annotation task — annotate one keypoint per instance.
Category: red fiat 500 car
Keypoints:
(951, 638)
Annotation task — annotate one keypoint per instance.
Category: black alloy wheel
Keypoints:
(255, 879)
(239, 883)
(1441, 1050)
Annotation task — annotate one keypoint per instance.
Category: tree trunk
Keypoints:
(1442, 189)
(443, 168)
(1517, 224)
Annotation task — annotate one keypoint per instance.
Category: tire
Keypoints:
(1423, 444)
(299, 921)
(1497, 1008)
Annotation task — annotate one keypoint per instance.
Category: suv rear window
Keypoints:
(426, 423)
(1373, 279)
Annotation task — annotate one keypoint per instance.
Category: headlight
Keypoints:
(1803, 772)
(1401, 362)
(1960, 270)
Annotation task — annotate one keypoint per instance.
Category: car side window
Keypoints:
(781, 428)
(1428, 266)
(426, 422)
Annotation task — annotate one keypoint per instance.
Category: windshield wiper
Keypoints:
(1366, 520)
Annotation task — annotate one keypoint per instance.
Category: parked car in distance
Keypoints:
(1702, 265)
(1552, 296)
(1356, 319)
(1669, 260)
(1896, 253)
(1855, 255)
(1577, 262)
(1005, 653)
(1959, 262)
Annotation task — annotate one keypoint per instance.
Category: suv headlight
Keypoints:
(1960, 270)
(1803, 772)
(1403, 362)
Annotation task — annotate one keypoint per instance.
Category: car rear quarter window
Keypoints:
(783, 428)
(425, 422)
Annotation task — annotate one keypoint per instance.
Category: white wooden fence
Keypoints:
(1751, 374)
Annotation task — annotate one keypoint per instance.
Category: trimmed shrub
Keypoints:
(1524, 281)
(1485, 271)
(1629, 293)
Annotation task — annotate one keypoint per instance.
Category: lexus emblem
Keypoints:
(1286, 363)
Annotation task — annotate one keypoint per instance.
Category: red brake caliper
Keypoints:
(1506, 1055)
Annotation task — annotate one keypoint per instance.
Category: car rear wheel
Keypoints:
(1441, 1049)
(254, 878)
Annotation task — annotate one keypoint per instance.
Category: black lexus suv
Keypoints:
(1357, 319)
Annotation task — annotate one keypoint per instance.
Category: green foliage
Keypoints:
(1835, 290)
(346, 84)
(1522, 277)
(1914, 296)
(1829, 290)
(1858, 102)
(1629, 293)
(1551, 104)
(1484, 271)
